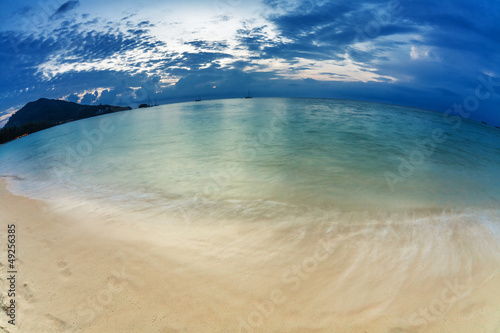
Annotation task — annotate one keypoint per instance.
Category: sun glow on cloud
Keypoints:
(129, 60)
(326, 70)
(419, 53)
(179, 35)
(7, 113)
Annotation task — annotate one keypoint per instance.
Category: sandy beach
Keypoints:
(81, 272)
(232, 166)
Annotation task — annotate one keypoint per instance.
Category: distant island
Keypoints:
(45, 113)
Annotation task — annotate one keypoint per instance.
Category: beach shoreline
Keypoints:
(78, 272)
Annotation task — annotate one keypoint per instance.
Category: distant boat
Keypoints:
(144, 105)
(198, 98)
(249, 95)
(156, 104)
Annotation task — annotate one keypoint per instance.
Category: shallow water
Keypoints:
(407, 198)
(252, 158)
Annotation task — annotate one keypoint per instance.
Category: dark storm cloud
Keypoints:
(208, 45)
(73, 98)
(145, 24)
(80, 46)
(326, 30)
(66, 7)
(254, 39)
(457, 41)
(89, 98)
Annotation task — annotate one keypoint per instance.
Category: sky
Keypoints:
(437, 55)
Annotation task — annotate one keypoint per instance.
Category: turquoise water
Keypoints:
(262, 158)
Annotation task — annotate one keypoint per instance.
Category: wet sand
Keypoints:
(89, 272)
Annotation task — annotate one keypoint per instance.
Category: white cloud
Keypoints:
(419, 52)
(5, 115)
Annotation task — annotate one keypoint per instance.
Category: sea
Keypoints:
(254, 158)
